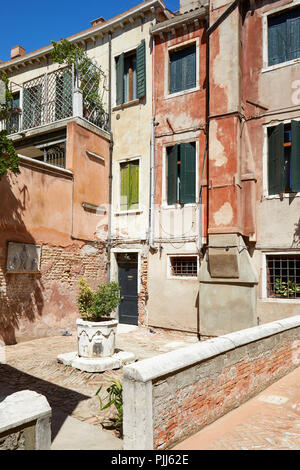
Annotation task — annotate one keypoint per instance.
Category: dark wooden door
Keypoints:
(128, 310)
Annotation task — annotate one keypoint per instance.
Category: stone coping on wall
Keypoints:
(153, 368)
(21, 408)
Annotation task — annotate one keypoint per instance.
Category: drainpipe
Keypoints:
(152, 153)
(111, 146)
(206, 146)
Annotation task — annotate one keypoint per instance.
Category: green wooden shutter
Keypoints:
(276, 160)
(134, 185)
(293, 34)
(130, 185)
(120, 80)
(277, 40)
(124, 186)
(295, 156)
(189, 67)
(172, 153)
(187, 173)
(141, 70)
(183, 69)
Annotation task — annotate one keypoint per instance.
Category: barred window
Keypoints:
(184, 266)
(283, 276)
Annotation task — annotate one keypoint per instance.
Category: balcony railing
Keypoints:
(50, 98)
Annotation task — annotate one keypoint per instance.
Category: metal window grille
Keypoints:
(184, 266)
(55, 155)
(48, 98)
(283, 276)
(93, 83)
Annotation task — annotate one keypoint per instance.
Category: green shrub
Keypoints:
(115, 399)
(99, 304)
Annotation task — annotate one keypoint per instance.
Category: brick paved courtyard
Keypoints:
(271, 420)
(32, 365)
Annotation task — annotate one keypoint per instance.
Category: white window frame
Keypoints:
(264, 289)
(167, 94)
(181, 255)
(266, 67)
(266, 194)
(164, 174)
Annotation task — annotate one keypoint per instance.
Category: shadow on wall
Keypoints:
(20, 294)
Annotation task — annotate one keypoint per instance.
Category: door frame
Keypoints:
(114, 267)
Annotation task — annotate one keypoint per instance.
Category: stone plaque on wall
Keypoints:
(23, 257)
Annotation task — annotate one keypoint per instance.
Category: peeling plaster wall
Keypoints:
(270, 96)
(173, 302)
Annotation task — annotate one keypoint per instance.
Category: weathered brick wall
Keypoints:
(187, 401)
(173, 395)
(33, 305)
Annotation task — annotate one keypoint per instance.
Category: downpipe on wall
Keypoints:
(152, 245)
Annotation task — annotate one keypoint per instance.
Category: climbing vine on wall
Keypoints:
(9, 160)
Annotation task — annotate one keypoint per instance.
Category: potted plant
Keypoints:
(96, 329)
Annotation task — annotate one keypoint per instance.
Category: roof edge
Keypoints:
(105, 27)
(177, 20)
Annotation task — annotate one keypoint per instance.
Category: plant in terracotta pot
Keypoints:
(96, 329)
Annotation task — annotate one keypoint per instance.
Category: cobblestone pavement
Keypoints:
(270, 421)
(33, 365)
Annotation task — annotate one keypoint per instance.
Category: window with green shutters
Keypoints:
(181, 173)
(182, 74)
(131, 75)
(284, 158)
(129, 197)
(284, 36)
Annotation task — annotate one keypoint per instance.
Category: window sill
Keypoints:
(130, 212)
(178, 206)
(281, 196)
(183, 92)
(11, 271)
(183, 278)
(279, 301)
(126, 105)
(280, 66)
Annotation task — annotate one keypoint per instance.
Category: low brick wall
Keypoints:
(25, 422)
(171, 396)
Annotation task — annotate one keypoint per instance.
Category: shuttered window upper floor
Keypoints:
(284, 36)
(131, 75)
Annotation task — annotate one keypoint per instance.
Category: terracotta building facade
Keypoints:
(184, 187)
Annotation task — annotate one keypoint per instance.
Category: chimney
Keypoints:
(98, 21)
(17, 51)
(188, 5)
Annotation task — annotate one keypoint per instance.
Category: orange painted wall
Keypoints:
(36, 208)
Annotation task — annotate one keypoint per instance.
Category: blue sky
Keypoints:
(34, 23)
